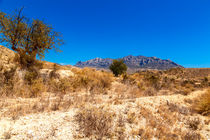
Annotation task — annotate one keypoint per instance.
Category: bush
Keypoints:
(59, 85)
(202, 104)
(118, 67)
(153, 81)
(53, 73)
(30, 76)
(7, 81)
(37, 87)
(9, 75)
(84, 79)
(95, 122)
(150, 92)
(92, 80)
(63, 85)
(192, 135)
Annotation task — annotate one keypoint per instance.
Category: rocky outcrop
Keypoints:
(133, 62)
(6, 58)
(7, 62)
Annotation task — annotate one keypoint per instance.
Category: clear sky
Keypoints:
(169, 29)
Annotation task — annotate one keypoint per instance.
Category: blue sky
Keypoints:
(169, 29)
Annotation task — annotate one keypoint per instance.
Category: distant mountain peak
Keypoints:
(133, 62)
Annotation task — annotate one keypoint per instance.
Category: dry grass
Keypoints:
(92, 80)
(202, 103)
(146, 83)
(32, 84)
(15, 108)
(7, 134)
(127, 91)
(95, 122)
(175, 81)
(163, 125)
(87, 80)
(194, 123)
(158, 126)
(46, 102)
(90, 90)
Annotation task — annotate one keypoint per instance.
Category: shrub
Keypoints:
(191, 135)
(92, 80)
(30, 76)
(37, 87)
(118, 67)
(7, 81)
(128, 79)
(95, 121)
(205, 82)
(153, 81)
(64, 85)
(150, 92)
(7, 134)
(202, 103)
(9, 75)
(59, 85)
(84, 79)
(53, 73)
(194, 123)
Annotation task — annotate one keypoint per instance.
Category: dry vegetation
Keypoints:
(42, 100)
(172, 104)
(202, 103)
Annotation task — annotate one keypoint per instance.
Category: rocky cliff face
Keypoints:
(6, 58)
(133, 62)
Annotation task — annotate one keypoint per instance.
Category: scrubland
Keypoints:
(65, 102)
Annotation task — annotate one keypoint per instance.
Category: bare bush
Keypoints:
(95, 122)
(150, 92)
(193, 123)
(192, 135)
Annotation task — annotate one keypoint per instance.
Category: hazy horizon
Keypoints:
(176, 30)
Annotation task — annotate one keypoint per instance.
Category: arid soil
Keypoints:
(136, 113)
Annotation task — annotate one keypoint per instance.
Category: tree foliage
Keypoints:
(29, 38)
(118, 67)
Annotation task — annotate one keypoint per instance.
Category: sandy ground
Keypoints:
(53, 125)
(59, 125)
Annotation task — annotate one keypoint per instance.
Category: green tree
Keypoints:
(118, 67)
(29, 38)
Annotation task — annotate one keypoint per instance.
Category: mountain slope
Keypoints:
(133, 62)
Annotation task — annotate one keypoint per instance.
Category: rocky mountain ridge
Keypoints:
(133, 62)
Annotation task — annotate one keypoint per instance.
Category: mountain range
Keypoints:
(133, 62)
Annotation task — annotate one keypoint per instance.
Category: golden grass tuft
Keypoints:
(202, 104)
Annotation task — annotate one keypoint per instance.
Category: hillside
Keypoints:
(7, 57)
(65, 102)
(133, 62)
